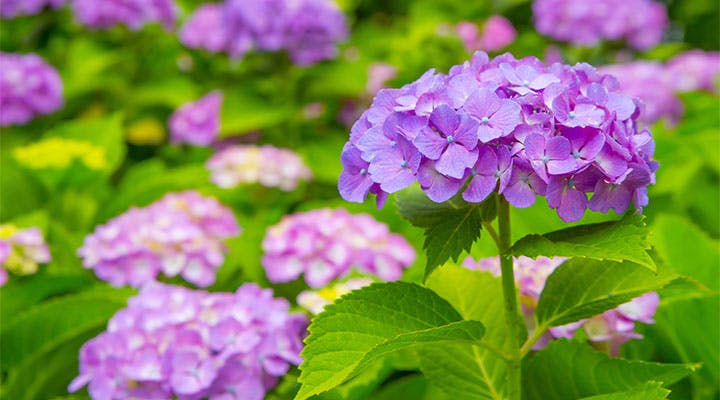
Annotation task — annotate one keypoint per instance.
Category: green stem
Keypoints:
(536, 335)
(512, 319)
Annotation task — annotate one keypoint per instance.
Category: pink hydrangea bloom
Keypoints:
(29, 87)
(267, 165)
(497, 33)
(695, 70)
(326, 244)
(613, 327)
(197, 122)
(180, 234)
(172, 342)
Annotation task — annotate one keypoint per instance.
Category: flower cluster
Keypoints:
(497, 33)
(197, 122)
(16, 8)
(308, 30)
(640, 22)
(28, 87)
(515, 125)
(21, 250)
(267, 165)
(315, 300)
(172, 341)
(325, 244)
(105, 14)
(657, 84)
(57, 152)
(180, 234)
(613, 327)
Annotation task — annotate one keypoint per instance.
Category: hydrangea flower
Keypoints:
(267, 165)
(515, 126)
(29, 87)
(172, 341)
(613, 327)
(180, 234)
(16, 8)
(315, 300)
(695, 70)
(105, 14)
(21, 250)
(58, 153)
(197, 122)
(308, 30)
(650, 82)
(640, 22)
(497, 33)
(326, 244)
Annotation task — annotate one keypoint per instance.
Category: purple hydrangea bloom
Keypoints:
(517, 127)
(172, 341)
(267, 165)
(197, 122)
(640, 22)
(180, 234)
(326, 244)
(28, 87)
(21, 251)
(695, 70)
(613, 327)
(309, 30)
(649, 82)
(105, 14)
(15, 8)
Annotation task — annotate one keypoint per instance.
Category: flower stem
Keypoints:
(512, 318)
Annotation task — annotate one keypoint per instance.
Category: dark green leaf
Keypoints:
(450, 227)
(572, 370)
(622, 240)
(373, 322)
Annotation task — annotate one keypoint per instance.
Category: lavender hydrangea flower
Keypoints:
(171, 341)
(640, 22)
(197, 122)
(268, 165)
(105, 14)
(15, 8)
(517, 127)
(309, 30)
(613, 327)
(29, 87)
(326, 244)
(21, 250)
(180, 234)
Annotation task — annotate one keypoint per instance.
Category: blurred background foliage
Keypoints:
(120, 87)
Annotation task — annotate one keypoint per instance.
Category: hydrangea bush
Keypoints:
(171, 341)
(560, 132)
(180, 234)
(29, 87)
(326, 244)
(21, 251)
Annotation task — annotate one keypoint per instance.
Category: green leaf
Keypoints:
(373, 322)
(19, 294)
(43, 329)
(581, 288)
(462, 370)
(412, 387)
(572, 370)
(243, 113)
(651, 391)
(450, 227)
(687, 249)
(626, 239)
